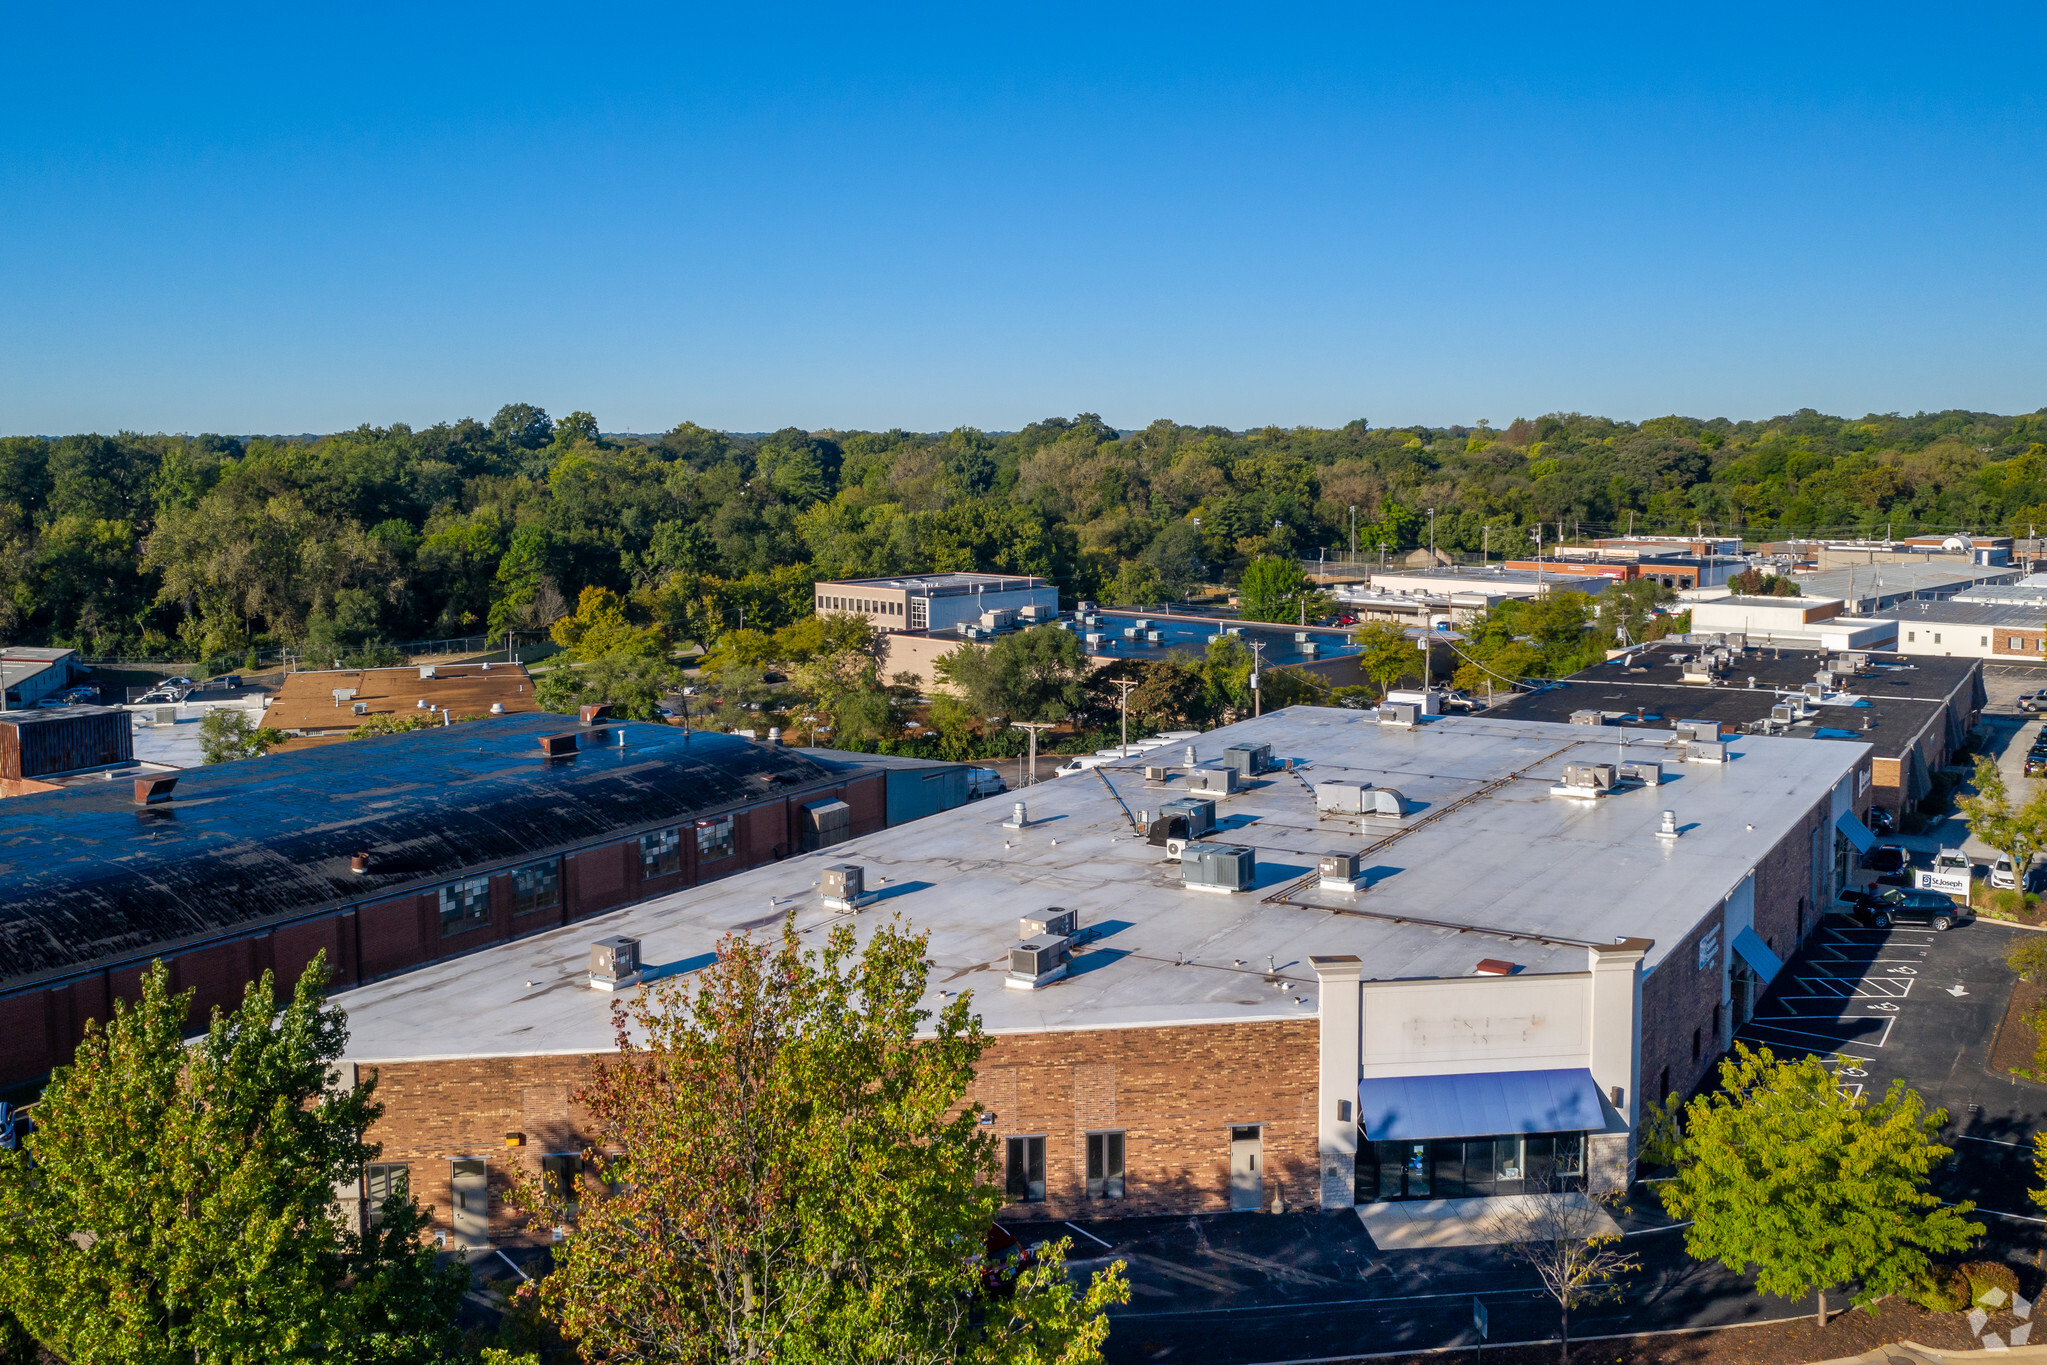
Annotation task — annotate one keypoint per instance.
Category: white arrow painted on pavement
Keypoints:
(1957, 991)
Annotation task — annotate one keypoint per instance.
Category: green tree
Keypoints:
(796, 1176)
(1032, 674)
(177, 1203)
(226, 735)
(1568, 1243)
(1386, 655)
(1273, 589)
(1175, 555)
(2018, 832)
(1782, 1171)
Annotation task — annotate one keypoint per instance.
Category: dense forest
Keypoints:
(212, 546)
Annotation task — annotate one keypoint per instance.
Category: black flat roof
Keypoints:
(1897, 697)
(87, 876)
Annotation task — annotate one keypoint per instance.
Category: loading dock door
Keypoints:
(470, 1191)
(1247, 1167)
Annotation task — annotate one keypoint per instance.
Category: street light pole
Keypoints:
(1257, 693)
(1353, 533)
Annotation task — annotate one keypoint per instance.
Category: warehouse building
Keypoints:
(328, 704)
(1328, 958)
(386, 853)
(1913, 712)
(940, 601)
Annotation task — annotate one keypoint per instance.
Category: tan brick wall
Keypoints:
(1174, 1092)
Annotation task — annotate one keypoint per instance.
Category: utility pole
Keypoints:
(1353, 533)
(1432, 537)
(1033, 726)
(1485, 544)
(1123, 686)
(1257, 695)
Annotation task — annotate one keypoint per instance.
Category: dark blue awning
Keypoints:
(1408, 1108)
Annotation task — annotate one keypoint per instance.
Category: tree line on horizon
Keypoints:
(212, 546)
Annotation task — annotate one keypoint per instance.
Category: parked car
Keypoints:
(1885, 906)
(1003, 1259)
(1079, 764)
(984, 782)
(1886, 858)
(1880, 821)
(2003, 875)
(180, 681)
(1453, 700)
(2032, 701)
(82, 695)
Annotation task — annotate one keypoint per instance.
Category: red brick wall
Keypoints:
(1174, 1092)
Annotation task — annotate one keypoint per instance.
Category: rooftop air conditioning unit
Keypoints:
(1698, 729)
(426, 672)
(615, 963)
(1825, 679)
(1094, 639)
(1156, 774)
(1142, 623)
(1586, 779)
(1220, 781)
(1188, 818)
(1311, 649)
(1698, 752)
(1343, 797)
(844, 887)
(1131, 632)
(1813, 690)
(1052, 922)
(1588, 717)
(1340, 871)
(1300, 637)
(1400, 713)
(1038, 962)
(1249, 759)
(1784, 715)
(361, 708)
(1649, 774)
(1218, 867)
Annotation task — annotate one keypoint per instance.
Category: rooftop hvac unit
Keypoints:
(1813, 690)
(1784, 715)
(1698, 729)
(1400, 713)
(1300, 637)
(361, 708)
(1154, 636)
(844, 886)
(1343, 797)
(615, 963)
(1142, 623)
(1094, 639)
(1038, 962)
(1189, 817)
(1385, 802)
(1649, 774)
(1588, 718)
(1585, 779)
(1052, 922)
(1218, 867)
(1130, 632)
(1249, 759)
(426, 672)
(1156, 774)
(1031, 611)
(1311, 649)
(1825, 679)
(1220, 781)
(1340, 871)
(1705, 752)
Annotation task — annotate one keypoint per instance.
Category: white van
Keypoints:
(984, 782)
(1081, 764)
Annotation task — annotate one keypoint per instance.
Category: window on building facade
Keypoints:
(536, 886)
(1024, 1172)
(1471, 1168)
(660, 853)
(465, 906)
(714, 838)
(561, 1175)
(381, 1181)
(1105, 1165)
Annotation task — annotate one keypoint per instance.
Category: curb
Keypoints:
(1546, 1341)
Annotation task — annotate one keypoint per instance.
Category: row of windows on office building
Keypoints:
(1464, 1168)
(561, 1177)
(465, 905)
(1023, 1171)
(866, 604)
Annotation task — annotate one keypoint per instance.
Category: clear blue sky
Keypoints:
(283, 219)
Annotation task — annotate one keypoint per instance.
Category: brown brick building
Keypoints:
(1470, 995)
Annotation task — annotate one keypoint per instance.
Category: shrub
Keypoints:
(1983, 1276)
(1945, 1290)
(2028, 957)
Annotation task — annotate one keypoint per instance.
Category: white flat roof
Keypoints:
(1488, 864)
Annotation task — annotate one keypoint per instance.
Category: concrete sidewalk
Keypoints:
(1416, 1225)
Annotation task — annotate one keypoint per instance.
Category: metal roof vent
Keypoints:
(1038, 962)
(1669, 827)
(426, 672)
(558, 746)
(497, 708)
(1019, 817)
(342, 694)
(358, 863)
(615, 963)
(844, 887)
(1386, 803)
(1223, 868)
(592, 713)
(154, 791)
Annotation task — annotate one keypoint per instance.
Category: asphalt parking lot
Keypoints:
(1913, 1005)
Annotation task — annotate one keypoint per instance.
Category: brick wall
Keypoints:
(1173, 1092)
(1679, 996)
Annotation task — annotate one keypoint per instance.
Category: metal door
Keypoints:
(1247, 1167)
(470, 1190)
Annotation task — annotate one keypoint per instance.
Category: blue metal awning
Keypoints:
(1857, 832)
(1757, 954)
(1407, 1108)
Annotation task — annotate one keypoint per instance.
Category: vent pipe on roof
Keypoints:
(358, 863)
(154, 791)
